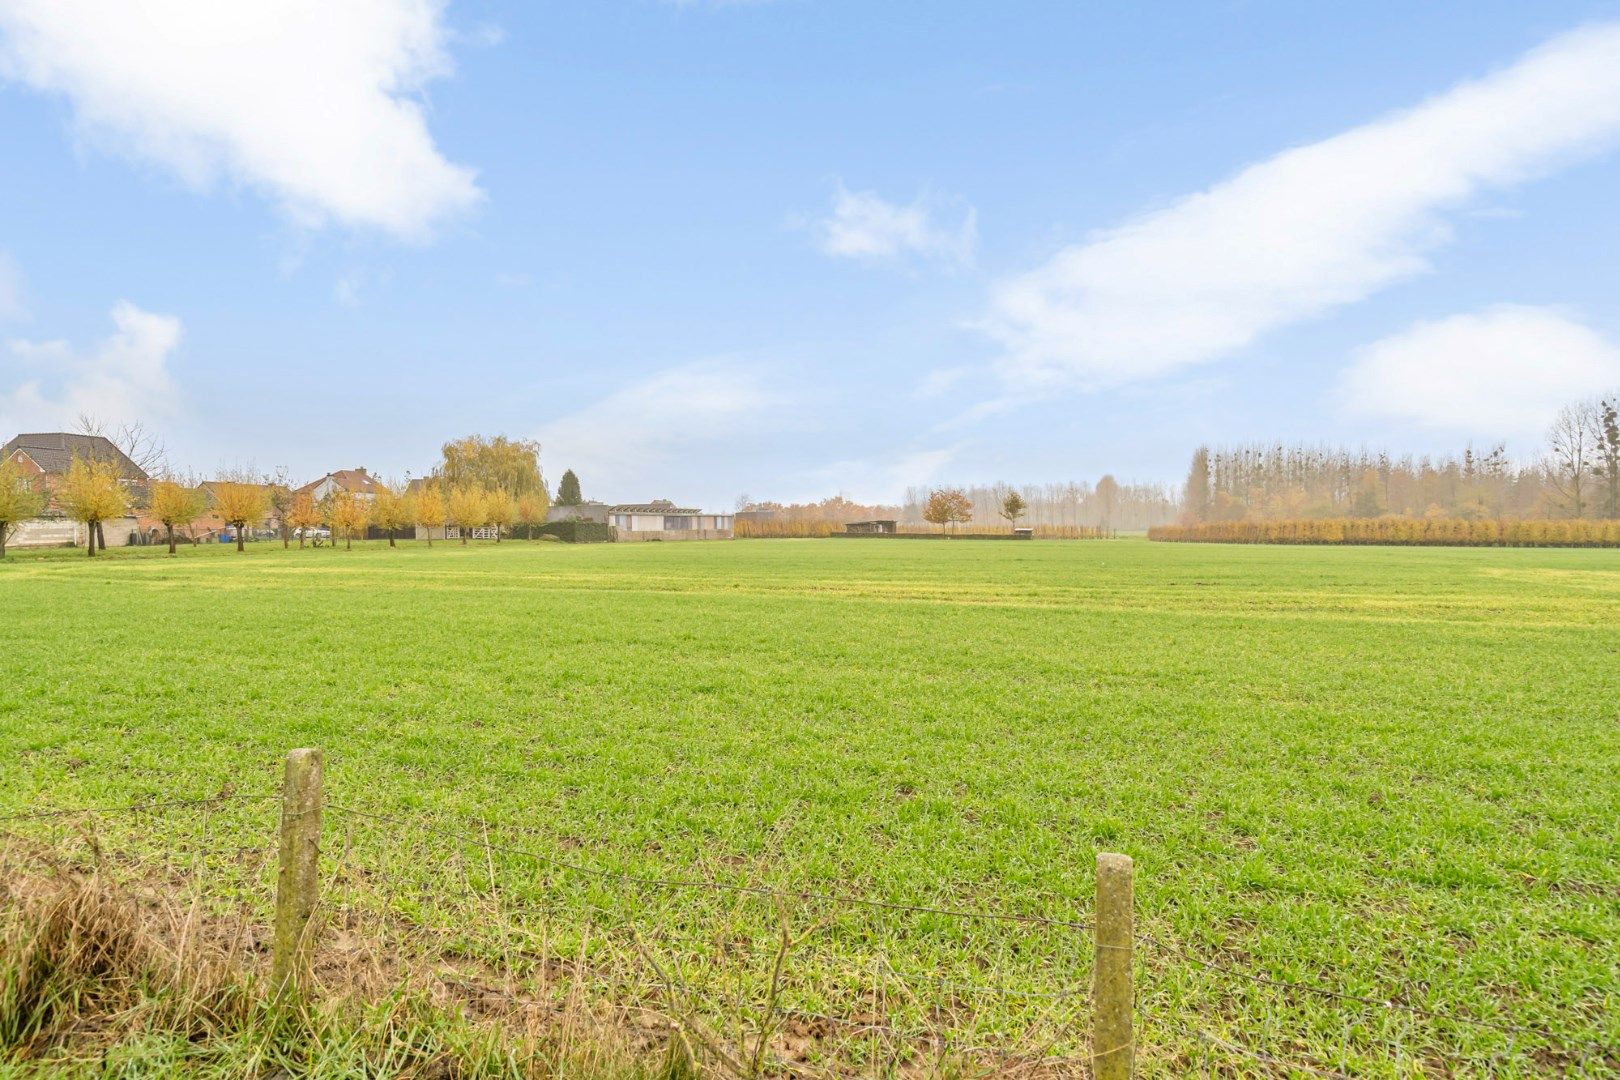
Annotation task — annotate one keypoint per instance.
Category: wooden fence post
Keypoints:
(1113, 1041)
(298, 879)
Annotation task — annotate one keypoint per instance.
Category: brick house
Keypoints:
(356, 482)
(45, 458)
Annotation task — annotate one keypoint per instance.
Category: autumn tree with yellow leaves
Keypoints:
(531, 511)
(500, 510)
(349, 514)
(174, 505)
(91, 492)
(240, 502)
(428, 504)
(390, 510)
(468, 508)
(303, 515)
(19, 501)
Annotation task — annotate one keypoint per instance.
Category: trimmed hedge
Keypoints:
(930, 536)
(1415, 532)
(579, 532)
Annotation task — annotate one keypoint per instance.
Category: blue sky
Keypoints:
(797, 247)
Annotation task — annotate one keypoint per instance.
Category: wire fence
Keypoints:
(919, 1014)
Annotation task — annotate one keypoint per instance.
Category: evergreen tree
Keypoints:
(568, 490)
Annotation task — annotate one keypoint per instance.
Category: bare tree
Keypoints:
(140, 445)
(1572, 451)
(1607, 468)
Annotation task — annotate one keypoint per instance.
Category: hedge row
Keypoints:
(1450, 532)
(1003, 535)
(578, 532)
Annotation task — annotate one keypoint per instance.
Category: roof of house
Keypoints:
(54, 451)
(657, 506)
(354, 481)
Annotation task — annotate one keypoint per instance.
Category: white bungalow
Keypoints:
(663, 520)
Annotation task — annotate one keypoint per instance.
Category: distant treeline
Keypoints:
(1450, 532)
(1285, 483)
(1107, 505)
(1073, 510)
(798, 528)
(1576, 477)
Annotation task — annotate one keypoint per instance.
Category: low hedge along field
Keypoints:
(1384, 772)
(1418, 532)
(578, 532)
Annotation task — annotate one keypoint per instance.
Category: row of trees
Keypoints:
(481, 483)
(1106, 505)
(1577, 477)
(1074, 508)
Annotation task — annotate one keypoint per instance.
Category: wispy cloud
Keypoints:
(1303, 232)
(879, 479)
(715, 3)
(313, 104)
(662, 424)
(864, 225)
(1504, 371)
(125, 378)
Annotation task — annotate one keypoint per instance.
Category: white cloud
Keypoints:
(1500, 372)
(878, 479)
(660, 426)
(11, 289)
(314, 104)
(1305, 231)
(126, 378)
(939, 381)
(863, 225)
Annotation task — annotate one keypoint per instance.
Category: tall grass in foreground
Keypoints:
(99, 978)
(1433, 532)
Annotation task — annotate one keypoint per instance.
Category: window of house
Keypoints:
(675, 521)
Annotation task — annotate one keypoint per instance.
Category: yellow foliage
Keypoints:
(92, 491)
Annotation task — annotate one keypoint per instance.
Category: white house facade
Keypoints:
(663, 520)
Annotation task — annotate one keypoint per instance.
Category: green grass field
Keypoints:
(1392, 773)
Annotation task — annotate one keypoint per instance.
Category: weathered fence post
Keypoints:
(1113, 1041)
(298, 880)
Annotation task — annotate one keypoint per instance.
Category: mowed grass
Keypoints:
(1390, 773)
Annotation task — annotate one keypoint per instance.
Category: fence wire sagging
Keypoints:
(786, 976)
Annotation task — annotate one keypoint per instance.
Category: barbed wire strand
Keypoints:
(131, 808)
(719, 886)
(834, 898)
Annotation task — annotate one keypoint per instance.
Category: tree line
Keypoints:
(1576, 477)
(480, 483)
(1107, 505)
